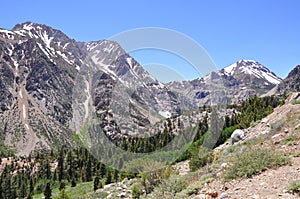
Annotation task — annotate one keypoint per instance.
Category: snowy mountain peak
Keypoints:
(251, 68)
(40, 31)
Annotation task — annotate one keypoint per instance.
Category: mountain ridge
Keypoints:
(39, 68)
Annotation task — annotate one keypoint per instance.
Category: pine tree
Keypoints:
(54, 178)
(63, 195)
(23, 189)
(1, 189)
(102, 170)
(31, 186)
(61, 165)
(48, 192)
(73, 182)
(7, 190)
(108, 177)
(116, 175)
(70, 165)
(89, 176)
(62, 185)
(48, 170)
(96, 182)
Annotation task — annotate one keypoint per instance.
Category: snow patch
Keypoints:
(230, 69)
(27, 127)
(24, 112)
(10, 51)
(27, 27)
(9, 34)
(6, 31)
(128, 59)
(16, 64)
(90, 46)
(64, 57)
(66, 45)
(20, 32)
(45, 37)
(271, 78)
(45, 52)
(86, 102)
(104, 67)
(165, 114)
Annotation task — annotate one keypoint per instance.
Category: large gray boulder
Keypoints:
(236, 136)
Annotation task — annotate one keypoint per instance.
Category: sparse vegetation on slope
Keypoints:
(252, 161)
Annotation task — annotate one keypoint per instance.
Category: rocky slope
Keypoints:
(43, 73)
(291, 83)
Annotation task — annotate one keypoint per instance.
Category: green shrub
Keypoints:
(136, 192)
(253, 161)
(296, 154)
(200, 158)
(194, 188)
(206, 178)
(294, 186)
(277, 126)
(225, 134)
(294, 102)
(62, 195)
(169, 187)
(289, 140)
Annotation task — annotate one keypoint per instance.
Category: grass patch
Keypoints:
(294, 186)
(296, 154)
(77, 192)
(277, 126)
(253, 161)
(289, 140)
(194, 188)
(5, 151)
(294, 102)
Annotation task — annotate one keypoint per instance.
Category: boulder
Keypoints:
(236, 136)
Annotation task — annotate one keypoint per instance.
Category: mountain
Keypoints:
(238, 81)
(291, 83)
(43, 74)
(252, 74)
(53, 86)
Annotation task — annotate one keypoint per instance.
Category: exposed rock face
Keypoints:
(236, 136)
(291, 83)
(40, 67)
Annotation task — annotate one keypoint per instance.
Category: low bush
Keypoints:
(289, 140)
(294, 102)
(253, 161)
(294, 186)
(200, 158)
(277, 126)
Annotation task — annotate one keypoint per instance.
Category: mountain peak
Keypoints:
(251, 68)
(294, 72)
(30, 25)
(35, 30)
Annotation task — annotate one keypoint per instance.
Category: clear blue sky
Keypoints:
(264, 30)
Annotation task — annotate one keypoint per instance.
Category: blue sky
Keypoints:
(267, 31)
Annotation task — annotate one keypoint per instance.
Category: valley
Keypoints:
(86, 120)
